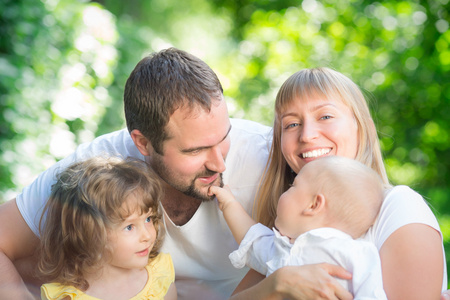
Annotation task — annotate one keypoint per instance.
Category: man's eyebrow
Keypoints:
(188, 150)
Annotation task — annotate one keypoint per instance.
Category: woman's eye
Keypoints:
(325, 117)
(292, 125)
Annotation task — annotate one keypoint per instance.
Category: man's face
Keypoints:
(194, 155)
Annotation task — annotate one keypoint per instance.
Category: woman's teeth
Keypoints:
(315, 153)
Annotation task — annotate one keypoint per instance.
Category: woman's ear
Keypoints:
(316, 205)
(142, 143)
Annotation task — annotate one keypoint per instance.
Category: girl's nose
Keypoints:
(145, 234)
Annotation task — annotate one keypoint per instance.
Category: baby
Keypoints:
(332, 202)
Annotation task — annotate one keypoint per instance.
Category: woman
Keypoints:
(321, 112)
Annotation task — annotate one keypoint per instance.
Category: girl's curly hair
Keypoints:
(84, 203)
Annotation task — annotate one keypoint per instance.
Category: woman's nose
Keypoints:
(308, 132)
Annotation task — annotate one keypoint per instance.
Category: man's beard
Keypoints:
(193, 192)
(188, 189)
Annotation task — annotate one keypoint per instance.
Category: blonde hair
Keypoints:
(85, 202)
(353, 192)
(305, 84)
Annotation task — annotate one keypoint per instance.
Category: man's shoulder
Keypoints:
(250, 136)
(250, 146)
(250, 127)
(121, 134)
(250, 131)
(117, 143)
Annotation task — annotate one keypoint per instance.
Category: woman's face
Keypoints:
(315, 127)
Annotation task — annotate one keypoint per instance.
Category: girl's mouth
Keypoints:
(143, 252)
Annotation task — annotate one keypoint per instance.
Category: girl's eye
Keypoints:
(325, 117)
(128, 228)
(148, 220)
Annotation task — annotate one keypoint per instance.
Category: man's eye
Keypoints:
(193, 151)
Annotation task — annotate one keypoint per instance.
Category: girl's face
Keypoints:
(131, 241)
(315, 127)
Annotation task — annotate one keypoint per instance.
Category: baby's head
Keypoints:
(87, 201)
(333, 192)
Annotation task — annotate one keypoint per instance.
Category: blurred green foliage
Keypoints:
(63, 65)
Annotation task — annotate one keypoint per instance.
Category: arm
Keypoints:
(171, 293)
(16, 241)
(295, 282)
(412, 263)
(234, 213)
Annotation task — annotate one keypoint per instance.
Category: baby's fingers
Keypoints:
(212, 190)
(221, 193)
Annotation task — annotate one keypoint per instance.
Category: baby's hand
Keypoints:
(224, 195)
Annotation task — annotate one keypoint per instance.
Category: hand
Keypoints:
(223, 195)
(238, 220)
(445, 295)
(311, 282)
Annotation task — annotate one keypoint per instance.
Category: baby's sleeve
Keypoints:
(255, 249)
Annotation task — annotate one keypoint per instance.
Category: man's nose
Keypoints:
(216, 159)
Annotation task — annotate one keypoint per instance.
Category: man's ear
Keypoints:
(142, 143)
(316, 205)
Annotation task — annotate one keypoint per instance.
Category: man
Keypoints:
(178, 122)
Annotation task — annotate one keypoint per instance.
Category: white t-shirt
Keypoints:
(200, 248)
(402, 206)
(266, 251)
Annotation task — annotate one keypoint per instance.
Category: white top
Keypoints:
(266, 251)
(200, 248)
(402, 206)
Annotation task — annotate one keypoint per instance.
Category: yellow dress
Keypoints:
(161, 275)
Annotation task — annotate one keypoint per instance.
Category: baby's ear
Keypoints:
(316, 205)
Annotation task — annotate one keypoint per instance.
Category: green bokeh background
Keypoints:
(63, 66)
